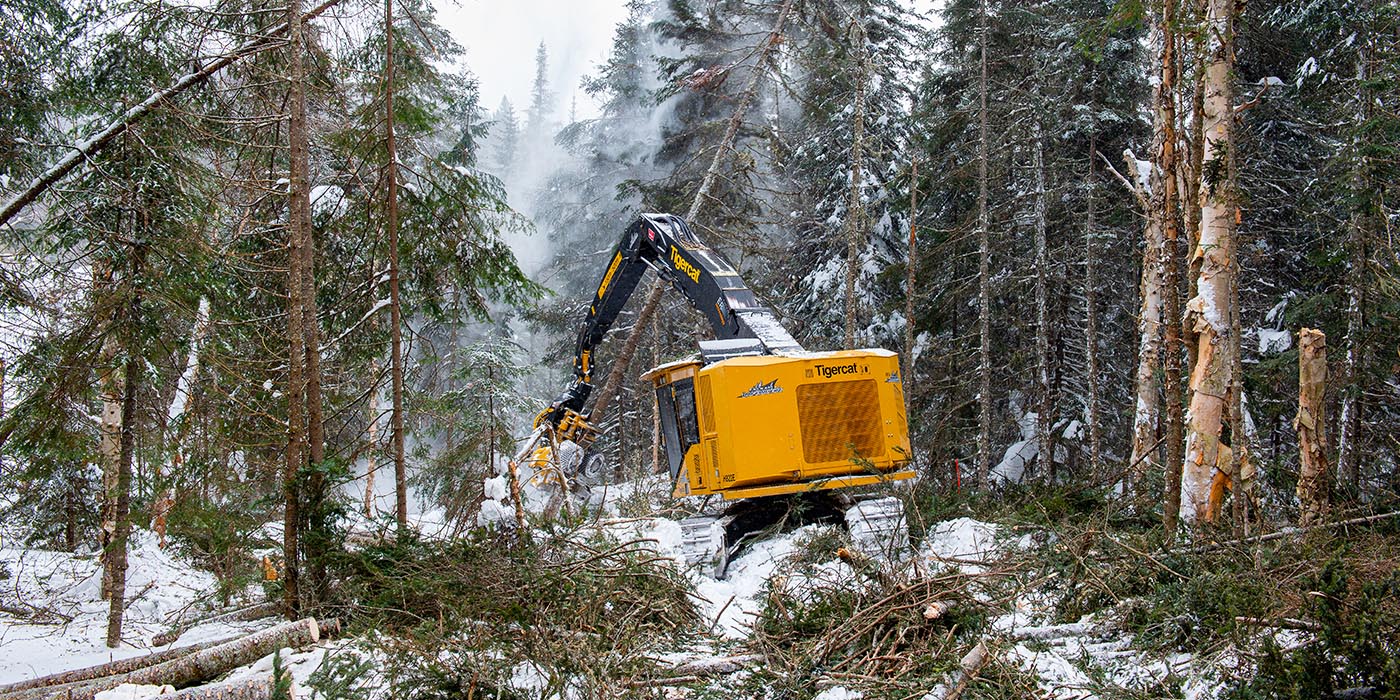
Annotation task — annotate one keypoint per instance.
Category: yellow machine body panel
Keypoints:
(766, 425)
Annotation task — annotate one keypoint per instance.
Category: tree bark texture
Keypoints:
(1151, 292)
(1166, 205)
(200, 665)
(1311, 424)
(910, 270)
(855, 204)
(1091, 315)
(256, 688)
(984, 265)
(1208, 313)
(135, 360)
(79, 675)
(297, 222)
(1358, 231)
(1046, 409)
(391, 173)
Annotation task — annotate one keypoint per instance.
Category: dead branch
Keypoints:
(101, 139)
(252, 612)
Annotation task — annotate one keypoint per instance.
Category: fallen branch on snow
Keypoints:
(248, 614)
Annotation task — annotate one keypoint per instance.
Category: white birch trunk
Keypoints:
(1208, 313)
(1150, 290)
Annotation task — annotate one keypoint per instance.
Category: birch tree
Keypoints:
(1209, 312)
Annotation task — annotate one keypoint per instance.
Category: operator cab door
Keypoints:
(680, 428)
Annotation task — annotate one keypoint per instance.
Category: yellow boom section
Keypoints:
(769, 425)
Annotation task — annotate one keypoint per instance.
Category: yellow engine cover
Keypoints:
(774, 424)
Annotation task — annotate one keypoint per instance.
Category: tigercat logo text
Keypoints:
(762, 389)
(684, 265)
(607, 276)
(829, 371)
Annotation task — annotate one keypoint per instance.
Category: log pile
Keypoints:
(185, 666)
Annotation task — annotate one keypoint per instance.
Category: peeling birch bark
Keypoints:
(1311, 423)
(1208, 313)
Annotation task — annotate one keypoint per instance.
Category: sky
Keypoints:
(501, 36)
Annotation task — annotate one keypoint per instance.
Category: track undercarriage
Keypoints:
(876, 524)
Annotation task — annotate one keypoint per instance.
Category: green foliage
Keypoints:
(221, 537)
(1357, 644)
(467, 613)
(342, 675)
(281, 679)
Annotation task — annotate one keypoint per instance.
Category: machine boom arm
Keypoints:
(665, 243)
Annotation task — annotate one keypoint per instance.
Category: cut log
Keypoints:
(1310, 424)
(108, 669)
(203, 664)
(252, 612)
(968, 668)
(257, 688)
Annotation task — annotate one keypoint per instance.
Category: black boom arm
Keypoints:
(665, 243)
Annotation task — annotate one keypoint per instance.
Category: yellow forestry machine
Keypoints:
(754, 415)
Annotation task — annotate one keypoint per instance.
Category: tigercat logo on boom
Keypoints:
(684, 265)
(762, 389)
(829, 371)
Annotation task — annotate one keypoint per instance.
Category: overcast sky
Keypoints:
(501, 35)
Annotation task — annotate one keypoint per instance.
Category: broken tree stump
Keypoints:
(1311, 426)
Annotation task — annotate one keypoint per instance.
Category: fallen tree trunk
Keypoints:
(257, 688)
(79, 675)
(203, 664)
(252, 612)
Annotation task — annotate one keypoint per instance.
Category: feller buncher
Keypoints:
(754, 416)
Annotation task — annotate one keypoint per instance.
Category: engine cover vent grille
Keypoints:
(840, 420)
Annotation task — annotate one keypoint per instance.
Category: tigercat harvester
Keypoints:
(756, 414)
(769, 425)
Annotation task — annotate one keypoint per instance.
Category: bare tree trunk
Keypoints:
(135, 360)
(608, 391)
(1152, 291)
(1166, 209)
(1091, 315)
(1349, 425)
(911, 268)
(1209, 311)
(296, 309)
(1044, 413)
(855, 205)
(372, 441)
(200, 665)
(316, 538)
(111, 388)
(984, 266)
(1311, 425)
(391, 172)
(1241, 471)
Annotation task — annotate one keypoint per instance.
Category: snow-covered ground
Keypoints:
(69, 628)
(1070, 661)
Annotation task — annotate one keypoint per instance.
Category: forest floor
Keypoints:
(1061, 613)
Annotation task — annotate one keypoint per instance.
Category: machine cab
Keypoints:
(680, 422)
